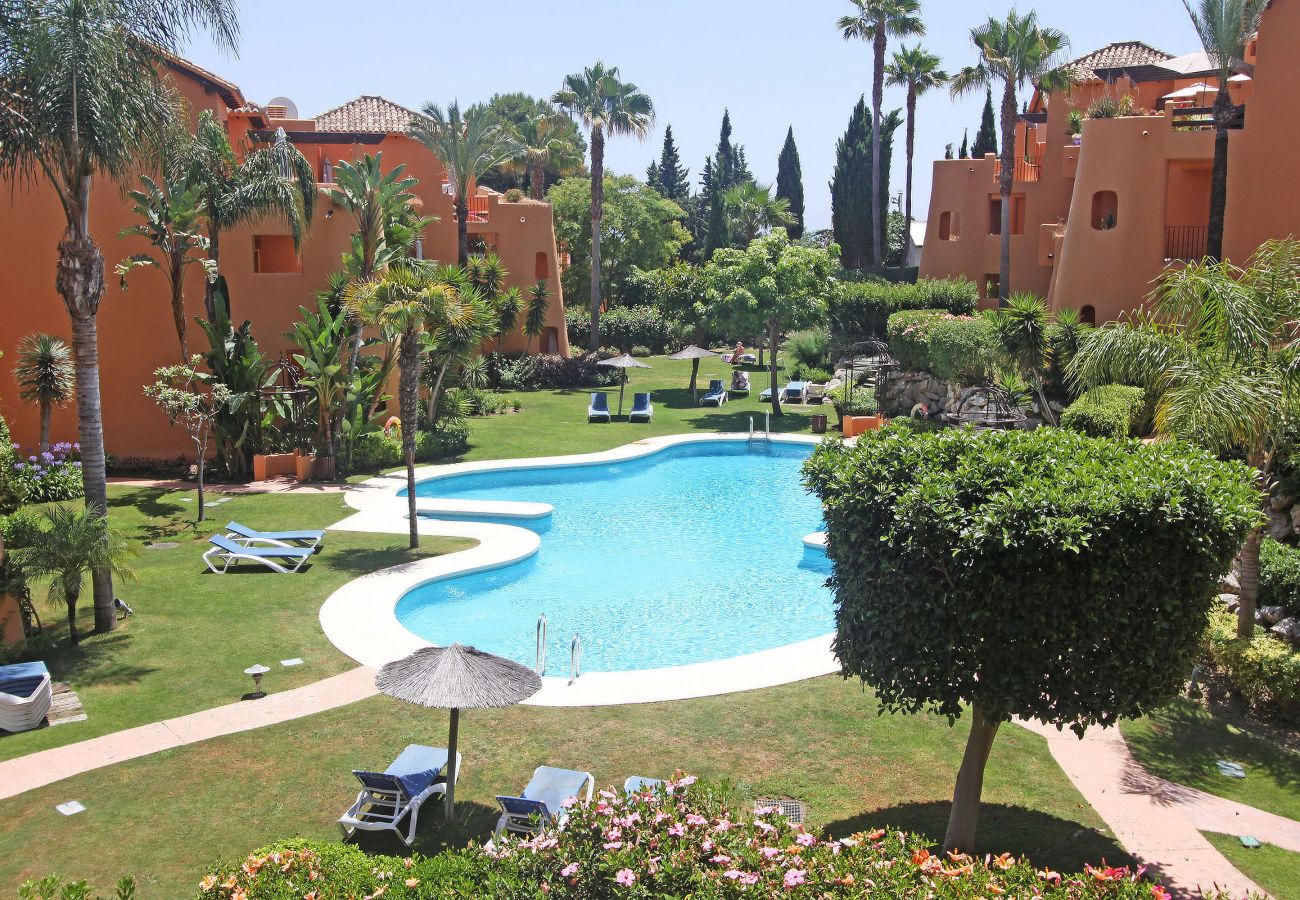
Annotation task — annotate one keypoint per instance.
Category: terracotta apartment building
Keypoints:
(268, 280)
(1096, 219)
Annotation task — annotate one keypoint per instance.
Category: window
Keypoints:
(1105, 210)
(541, 268)
(950, 226)
(551, 340)
(1088, 315)
(1018, 214)
(275, 254)
(995, 215)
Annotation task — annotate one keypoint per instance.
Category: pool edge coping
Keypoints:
(360, 617)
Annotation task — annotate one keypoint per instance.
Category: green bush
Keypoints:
(1109, 411)
(623, 327)
(374, 451)
(811, 375)
(531, 373)
(954, 348)
(1279, 575)
(10, 496)
(809, 348)
(450, 439)
(861, 402)
(681, 842)
(860, 310)
(1263, 670)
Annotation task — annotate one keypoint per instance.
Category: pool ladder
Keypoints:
(575, 652)
(541, 644)
(575, 659)
(767, 427)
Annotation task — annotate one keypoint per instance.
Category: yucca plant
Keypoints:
(46, 377)
(1021, 329)
(539, 301)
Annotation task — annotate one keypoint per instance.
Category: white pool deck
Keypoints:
(360, 617)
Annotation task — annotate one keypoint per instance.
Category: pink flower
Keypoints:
(695, 819)
(794, 878)
(733, 874)
(688, 781)
(723, 825)
(625, 877)
(570, 869)
(765, 827)
(749, 878)
(769, 852)
(721, 859)
(569, 802)
(677, 829)
(805, 840)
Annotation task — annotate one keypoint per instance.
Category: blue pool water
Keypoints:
(693, 553)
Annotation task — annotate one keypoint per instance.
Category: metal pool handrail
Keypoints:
(541, 644)
(575, 659)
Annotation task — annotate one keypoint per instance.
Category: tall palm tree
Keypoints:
(1217, 353)
(542, 141)
(1225, 27)
(1016, 51)
(607, 106)
(468, 145)
(238, 189)
(539, 300)
(82, 94)
(754, 211)
(406, 298)
(46, 376)
(876, 21)
(919, 71)
(70, 543)
(172, 214)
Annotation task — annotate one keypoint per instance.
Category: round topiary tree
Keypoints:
(1042, 575)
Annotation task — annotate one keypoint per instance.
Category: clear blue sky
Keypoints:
(774, 63)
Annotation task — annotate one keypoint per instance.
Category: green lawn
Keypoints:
(1182, 743)
(1275, 870)
(194, 633)
(166, 817)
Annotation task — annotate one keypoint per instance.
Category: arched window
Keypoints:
(949, 226)
(1088, 315)
(541, 269)
(1105, 210)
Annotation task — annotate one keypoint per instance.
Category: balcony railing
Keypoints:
(1027, 169)
(1201, 118)
(478, 209)
(1186, 243)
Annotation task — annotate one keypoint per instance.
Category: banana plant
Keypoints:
(236, 361)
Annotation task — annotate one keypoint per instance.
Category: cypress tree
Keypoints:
(671, 177)
(652, 176)
(852, 216)
(986, 139)
(789, 183)
(947, 152)
(964, 153)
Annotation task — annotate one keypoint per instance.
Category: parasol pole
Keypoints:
(452, 733)
(621, 385)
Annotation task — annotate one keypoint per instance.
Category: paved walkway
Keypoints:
(284, 485)
(48, 766)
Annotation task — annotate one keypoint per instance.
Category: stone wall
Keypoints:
(900, 392)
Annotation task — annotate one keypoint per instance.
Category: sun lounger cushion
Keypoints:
(244, 531)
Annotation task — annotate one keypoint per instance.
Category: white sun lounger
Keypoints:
(542, 802)
(25, 696)
(635, 783)
(242, 534)
(399, 791)
(226, 551)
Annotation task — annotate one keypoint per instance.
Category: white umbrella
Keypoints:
(623, 362)
(1191, 92)
(694, 353)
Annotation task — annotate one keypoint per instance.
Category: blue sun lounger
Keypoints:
(598, 409)
(542, 802)
(399, 791)
(282, 559)
(242, 534)
(642, 408)
(716, 395)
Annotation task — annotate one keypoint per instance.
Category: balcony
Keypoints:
(1027, 169)
(1201, 118)
(1186, 243)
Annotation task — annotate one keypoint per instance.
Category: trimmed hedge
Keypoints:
(860, 310)
(1263, 670)
(1109, 411)
(678, 841)
(624, 327)
(953, 348)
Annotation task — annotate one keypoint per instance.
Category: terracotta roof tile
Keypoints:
(1115, 56)
(367, 114)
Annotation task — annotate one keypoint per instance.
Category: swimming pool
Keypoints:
(689, 554)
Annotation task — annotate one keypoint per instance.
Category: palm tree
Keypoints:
(1225, 27)
(172, 214)
(877, 21)
(406, 298)
(468, 320)
(240, 189)
(46, 376)
(72, 542)
(919, 71)
(607, 107)
(1016, 51)
(83, 95)
(754, 211)
(1217, 353)
(542, 141)
(467, 145)
(539, 300)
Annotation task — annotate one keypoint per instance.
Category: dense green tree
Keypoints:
(85, 96)
(964, 153)
(607, 106)
(642, 230)
(773, 286)
(1015, 51)
(752, 210)
(683, 293)
(986, 137)
(1225, 27)
(919, 72)
(46, 377)
(877, 21)
(514, 111)
(853, 219)
(670, 178)
(789, 183)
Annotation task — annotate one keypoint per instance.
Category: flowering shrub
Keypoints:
(678, 841)
(47, 477)
(954, 348)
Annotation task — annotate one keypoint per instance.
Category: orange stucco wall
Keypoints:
(11, 621)
(1160, 176)
(136, 334)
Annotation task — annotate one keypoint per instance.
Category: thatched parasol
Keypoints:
(695, 354)
(623, 362)
(457, 678)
